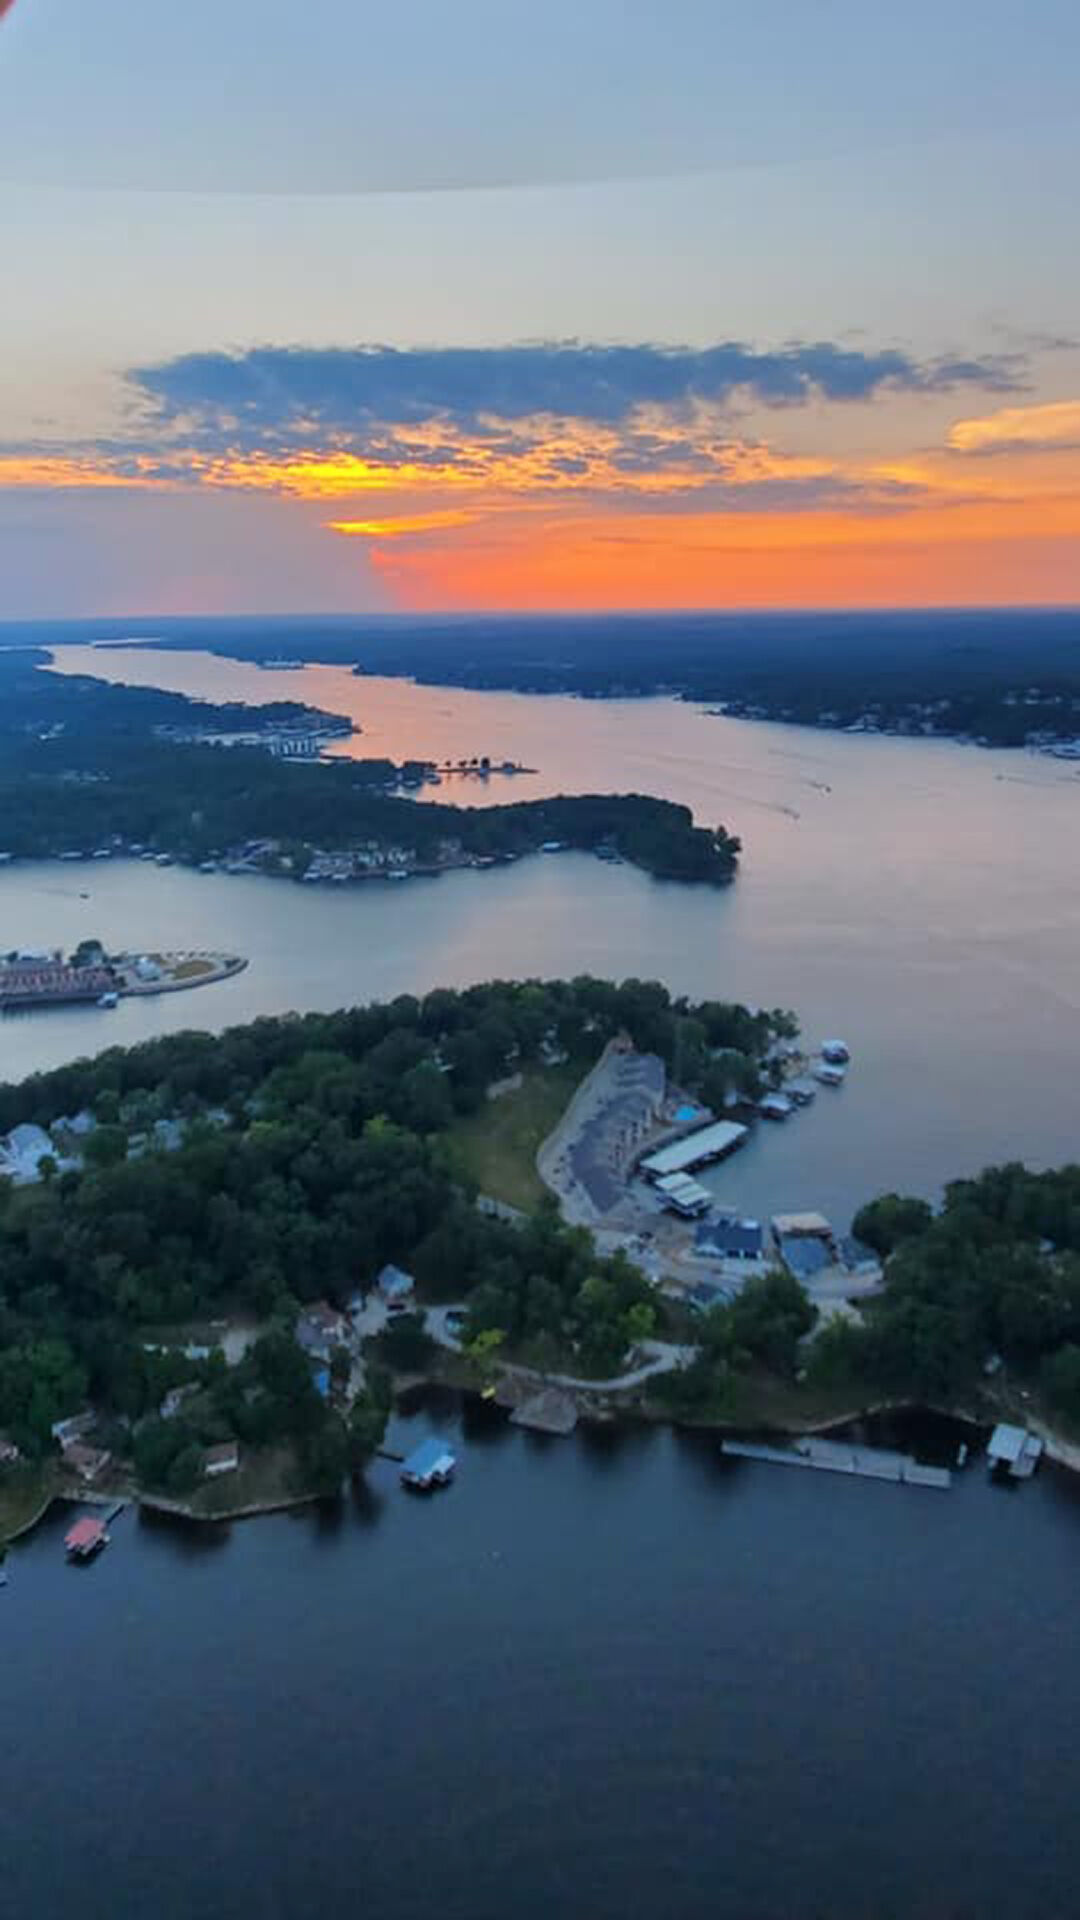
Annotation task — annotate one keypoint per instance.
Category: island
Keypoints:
(222, 1255)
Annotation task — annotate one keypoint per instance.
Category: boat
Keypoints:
(836, 1052)
(829, 1074)
(109, 999)
(86, 1538)
(431, 1464)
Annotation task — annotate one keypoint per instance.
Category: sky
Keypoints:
(588, 304)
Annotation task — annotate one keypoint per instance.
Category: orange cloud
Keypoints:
(53, 471)
(1054, 426)
(404, 524)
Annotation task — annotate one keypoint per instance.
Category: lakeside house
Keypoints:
(395, 1286)
(729, 1239)
(73, 1428)
(222, 1459)
(22, 1153)
(320, 1328)
(88, 1462)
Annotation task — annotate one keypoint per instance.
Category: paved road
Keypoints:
(663, 1356)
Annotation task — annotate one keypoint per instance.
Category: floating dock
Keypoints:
(839, 1456)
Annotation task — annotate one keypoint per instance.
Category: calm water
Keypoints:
(599, 1676)
(921, 899)
(596, 1677)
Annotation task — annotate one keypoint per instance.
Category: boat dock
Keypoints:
(840, 1456)
(1014, 1451)
(549, 1411)
(431, 1464)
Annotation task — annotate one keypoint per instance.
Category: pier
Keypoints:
(840, 1456)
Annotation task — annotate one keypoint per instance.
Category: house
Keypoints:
(859, 1259)
(73, 1428)
(729, 1240)
(88, 1462)
(218, 1460)
(395, 1287)
(321, 1327)
(175, 1398)
(707, 1295)
(22, 1153)
(9, 1452)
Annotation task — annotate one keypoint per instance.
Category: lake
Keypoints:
(600, 1676)
(919, 898)
(610, 1674)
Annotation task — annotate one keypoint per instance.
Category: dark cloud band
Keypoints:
(274, 395)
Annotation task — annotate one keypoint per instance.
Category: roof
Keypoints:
(743, 1237)
(85, 1533)
(804, 1256)
(709, 1294)
(431, 1456)
(705, 1143)
(393, 1280)
(813, 1224)
(1007, 1442)
(321, 1314)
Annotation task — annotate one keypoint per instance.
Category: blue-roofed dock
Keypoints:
(431, 1464)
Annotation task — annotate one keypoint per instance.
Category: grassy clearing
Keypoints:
(23, 1493)
(496, 1147)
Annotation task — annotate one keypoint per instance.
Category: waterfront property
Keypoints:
(431, 1464)
(88, 1462)
(726, 1238)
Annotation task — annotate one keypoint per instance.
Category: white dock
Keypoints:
(840, 1456)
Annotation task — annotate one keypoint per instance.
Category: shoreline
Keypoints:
(1062, 1452)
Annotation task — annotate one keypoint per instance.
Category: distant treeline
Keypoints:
(34, 700)
(796, 667)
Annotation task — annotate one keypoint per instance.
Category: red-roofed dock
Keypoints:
(85, 1538)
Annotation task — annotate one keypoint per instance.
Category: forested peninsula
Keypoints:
(85, 767)
(206, 1180)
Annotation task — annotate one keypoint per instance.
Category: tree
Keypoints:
(885, 1222)
(481, 1352)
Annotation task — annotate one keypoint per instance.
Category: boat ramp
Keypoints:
(841, 1456)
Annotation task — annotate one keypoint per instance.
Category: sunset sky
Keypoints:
(324, 307)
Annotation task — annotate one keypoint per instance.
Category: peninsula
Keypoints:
(219, 1253)
(37, 977)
